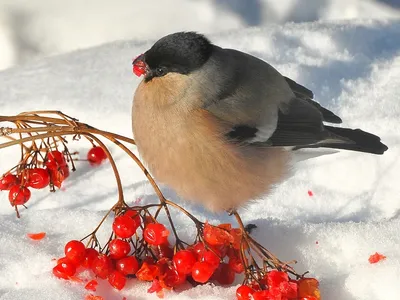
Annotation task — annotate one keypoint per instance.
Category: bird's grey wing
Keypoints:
(260, 106)
(305, 94)
(245, 93)
(299, 90)
(301, 124)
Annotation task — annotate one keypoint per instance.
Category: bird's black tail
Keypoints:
(351, 139)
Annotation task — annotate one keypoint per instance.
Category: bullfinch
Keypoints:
(220, 126)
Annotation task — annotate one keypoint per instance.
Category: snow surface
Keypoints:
(34, 29)
(353, 68)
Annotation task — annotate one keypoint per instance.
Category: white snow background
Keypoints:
(34, 29)
(353, 67)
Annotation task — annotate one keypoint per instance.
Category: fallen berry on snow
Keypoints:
(91, 285)
(377, 257)
(93, 297)
(36, 236)
(117, 280)
(155, 287)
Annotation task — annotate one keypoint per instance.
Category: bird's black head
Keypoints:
(181, 52)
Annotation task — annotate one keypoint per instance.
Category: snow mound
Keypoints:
(353, 68)
(35, 29)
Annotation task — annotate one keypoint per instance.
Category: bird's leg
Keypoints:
(248, 228)
(250, 246)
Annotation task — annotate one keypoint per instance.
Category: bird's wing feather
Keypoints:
(299, 90)
(305, 94)
(259, 104)
(301, 123)
(244, 92)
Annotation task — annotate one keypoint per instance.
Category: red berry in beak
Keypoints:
(139, 66)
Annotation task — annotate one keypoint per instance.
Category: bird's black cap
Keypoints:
(181, 52)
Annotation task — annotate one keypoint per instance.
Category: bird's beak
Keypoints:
(139, 66)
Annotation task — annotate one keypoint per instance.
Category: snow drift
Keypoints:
(353, 69)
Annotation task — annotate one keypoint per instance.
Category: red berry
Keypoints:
(124, 226)
(308, 287)
(102, 266)
(90, 255)
(217, 235)
(118, 248)
(55, 159)
(255, 285)
(275, 293)
(117, 280)
(7, 181)
(288, 289)
(134, 215)
(91, 285)
(138, 69)
(263, 295)
(236, 265)
(64, 259)
(164, 251)
(275, 278)
(58, 175)
(211, 258)
(64, 269)
(38, 178)
(202, 271)
(224, 274)
(93, 297)
(377, 257)
(184, 261)
(172, 278)
(127, 265)
(221, 250)
(156, 234)
(37, 236)
(155, 287)
(64, 170)
(96, 155)
(75, 251)
(19, 195)
(148, 272)
(244, 292)
(237, 235)
(198, 250)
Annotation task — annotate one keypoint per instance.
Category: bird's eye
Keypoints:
(160, 72)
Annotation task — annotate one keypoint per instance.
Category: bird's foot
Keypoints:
(250, 227)
(256, 259)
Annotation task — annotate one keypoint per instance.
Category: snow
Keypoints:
(33, 29)
(353, 67)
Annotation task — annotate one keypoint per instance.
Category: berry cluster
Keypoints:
(53, 171)
(280, 287)
(38, 172)
(139, 248)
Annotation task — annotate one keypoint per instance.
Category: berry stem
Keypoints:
(268, 258)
